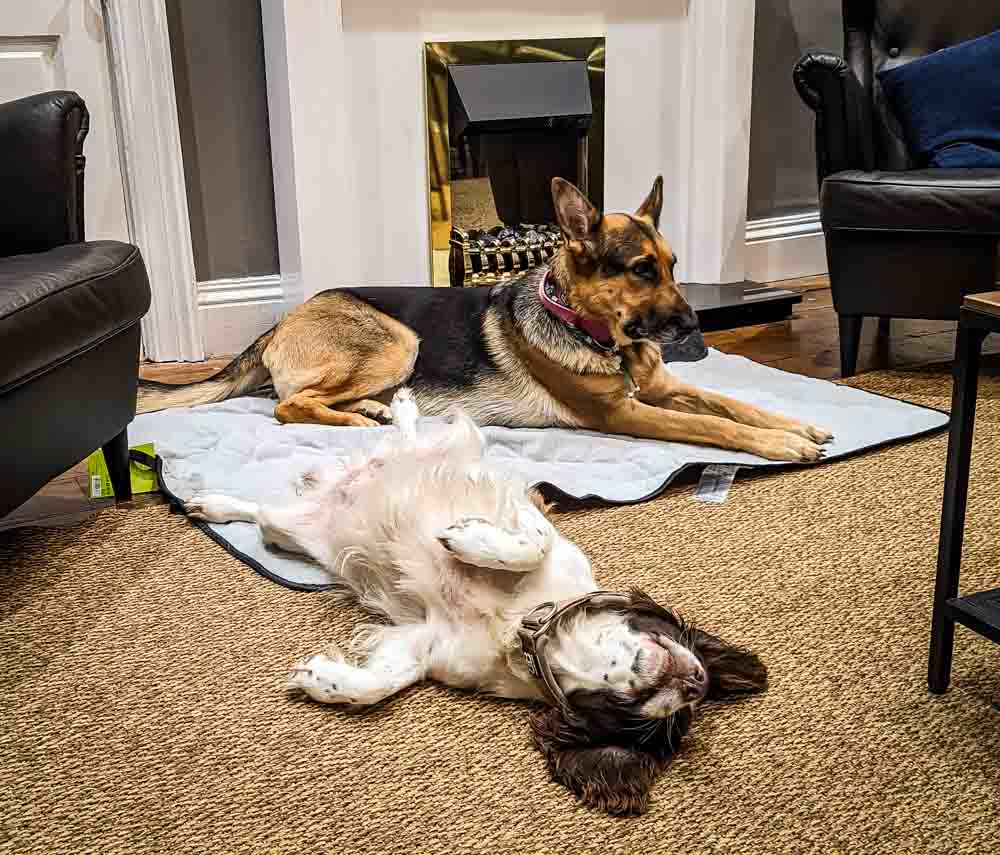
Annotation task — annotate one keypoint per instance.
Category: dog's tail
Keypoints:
(246, 373)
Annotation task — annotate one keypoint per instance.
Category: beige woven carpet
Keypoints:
(142, 710)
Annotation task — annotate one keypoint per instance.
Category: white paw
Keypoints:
(479, 541)
(535, 526)
(220, 509)
(323, 678)
(405, 411)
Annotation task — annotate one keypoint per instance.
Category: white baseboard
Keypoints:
(785, 248)
(233, 312)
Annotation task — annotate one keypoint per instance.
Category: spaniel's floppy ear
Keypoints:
(731, 670)
(612, 778)
(576, 216)
(651, 207)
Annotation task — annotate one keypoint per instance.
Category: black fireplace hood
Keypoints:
(518, 96)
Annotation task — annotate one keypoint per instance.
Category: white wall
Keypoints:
(355, 83)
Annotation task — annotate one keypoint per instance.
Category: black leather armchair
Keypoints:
(69, 310)
(901, 240)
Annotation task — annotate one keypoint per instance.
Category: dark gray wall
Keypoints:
(218, 60)
(782, 152)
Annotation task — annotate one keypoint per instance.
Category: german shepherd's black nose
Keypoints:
(685, 322)
(681, 325)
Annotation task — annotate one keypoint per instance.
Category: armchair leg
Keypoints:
(850, 342)
(116, 456)
(884, 327)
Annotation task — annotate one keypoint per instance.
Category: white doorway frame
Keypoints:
(188, 320)
(155, 199)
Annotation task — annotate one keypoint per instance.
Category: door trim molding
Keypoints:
(715, 139)
(785, 247)
(245, 291)
(778, 228)
(142, 84)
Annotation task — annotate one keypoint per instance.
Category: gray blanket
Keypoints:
(237, 448)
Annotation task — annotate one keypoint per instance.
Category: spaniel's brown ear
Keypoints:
(731, 670)
(612, 778)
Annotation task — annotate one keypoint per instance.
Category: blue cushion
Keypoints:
(948, 104)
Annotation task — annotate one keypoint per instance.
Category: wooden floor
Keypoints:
(806, 344)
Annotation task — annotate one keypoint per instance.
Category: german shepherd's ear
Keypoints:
(731, 670)
(576, 216)
(612, 778)
(650, 209)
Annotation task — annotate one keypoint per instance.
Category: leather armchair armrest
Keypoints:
(41, 172)
(843, 121)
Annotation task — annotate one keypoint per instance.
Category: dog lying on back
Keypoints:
(578, 345)
(479, 591)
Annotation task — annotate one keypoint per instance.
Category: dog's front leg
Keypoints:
(661, 389)
(518, 548)
(686, 398)
(398, 658)
(638, 419)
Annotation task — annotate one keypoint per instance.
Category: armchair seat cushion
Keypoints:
(55, 305)
(918, 200)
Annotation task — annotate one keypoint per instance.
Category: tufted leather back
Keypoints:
(882, 34)
(41, 172)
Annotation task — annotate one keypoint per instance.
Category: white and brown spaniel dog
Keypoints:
(479, 591)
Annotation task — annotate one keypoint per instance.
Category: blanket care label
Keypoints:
(715, 482)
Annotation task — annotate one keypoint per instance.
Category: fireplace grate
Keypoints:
(484, 257)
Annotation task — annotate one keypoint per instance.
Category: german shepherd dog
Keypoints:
(576, 345)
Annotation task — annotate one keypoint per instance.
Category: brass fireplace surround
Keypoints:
(437, 57)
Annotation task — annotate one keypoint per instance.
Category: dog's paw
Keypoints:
(322, 677)
(483, 543)
(404, 410)
(821, 436)
(220, 509)
(790, 447)
(377, 412)
(816, 434)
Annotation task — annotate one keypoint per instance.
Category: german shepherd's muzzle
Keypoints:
(581, 344)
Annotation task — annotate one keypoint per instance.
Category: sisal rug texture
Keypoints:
(142, 709)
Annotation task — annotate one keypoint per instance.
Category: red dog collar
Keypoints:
(595, 330)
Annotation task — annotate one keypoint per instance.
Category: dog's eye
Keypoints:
(645, 269)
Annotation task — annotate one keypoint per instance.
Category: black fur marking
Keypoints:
(449, 322)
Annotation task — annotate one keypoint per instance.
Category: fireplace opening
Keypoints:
(504, 118)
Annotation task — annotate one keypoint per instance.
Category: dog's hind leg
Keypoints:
(214, 508)
(332, 356)
(297, 527)
(398, 658)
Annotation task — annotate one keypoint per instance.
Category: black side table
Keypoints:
(979, 316)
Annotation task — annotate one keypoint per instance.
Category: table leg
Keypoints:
(956, 488)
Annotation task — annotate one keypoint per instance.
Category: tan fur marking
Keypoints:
(337, 350)
(600, 403)
(310, 407)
